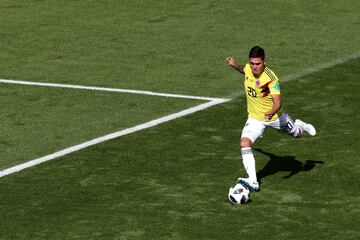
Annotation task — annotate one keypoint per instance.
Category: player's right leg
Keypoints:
(249, 164)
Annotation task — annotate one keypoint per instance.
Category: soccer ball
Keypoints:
(239, 194)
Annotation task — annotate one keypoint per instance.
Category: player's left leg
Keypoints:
(307, 127)
(295, 128)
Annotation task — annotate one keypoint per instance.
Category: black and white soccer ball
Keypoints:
(239, 194)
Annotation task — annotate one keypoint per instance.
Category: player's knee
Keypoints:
(245, 142)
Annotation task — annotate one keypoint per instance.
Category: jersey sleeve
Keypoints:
(274, 87)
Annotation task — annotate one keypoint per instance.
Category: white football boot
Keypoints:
(308, 128)
(251, 185)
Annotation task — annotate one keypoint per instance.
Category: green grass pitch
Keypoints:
(171, 181)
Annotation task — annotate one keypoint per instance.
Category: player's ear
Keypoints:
(264, 61)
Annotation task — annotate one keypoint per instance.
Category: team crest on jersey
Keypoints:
(258, 83)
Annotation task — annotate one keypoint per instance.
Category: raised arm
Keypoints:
(232, 62)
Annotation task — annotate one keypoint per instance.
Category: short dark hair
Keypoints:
(257, 52)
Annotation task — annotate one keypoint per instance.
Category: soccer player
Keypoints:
(263, 98)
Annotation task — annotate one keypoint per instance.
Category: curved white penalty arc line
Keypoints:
(110, 136)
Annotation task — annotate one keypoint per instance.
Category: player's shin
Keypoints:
(249, 163)
(288, 125)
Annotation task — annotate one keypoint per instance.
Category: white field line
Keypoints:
(110, 136)
(212, 102)
(103, 89)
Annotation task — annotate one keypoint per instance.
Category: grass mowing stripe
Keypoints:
(110, 136)
(321, 67)
(92, 88)
(311, 70)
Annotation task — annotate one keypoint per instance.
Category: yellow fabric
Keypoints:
(258, 93)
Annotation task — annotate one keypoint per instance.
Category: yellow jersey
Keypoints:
(258, 92)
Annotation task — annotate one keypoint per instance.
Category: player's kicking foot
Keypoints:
(251, 185)
(307, 127)
(310, 129)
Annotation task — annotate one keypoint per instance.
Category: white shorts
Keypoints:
(255, 128)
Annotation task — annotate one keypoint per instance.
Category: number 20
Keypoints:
(251, 92)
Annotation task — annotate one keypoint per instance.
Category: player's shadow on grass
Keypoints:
(284, 164)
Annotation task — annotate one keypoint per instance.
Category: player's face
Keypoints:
(257, 66)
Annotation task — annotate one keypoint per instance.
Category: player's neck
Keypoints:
(257, 75)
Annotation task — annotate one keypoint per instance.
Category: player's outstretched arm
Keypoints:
(232, 62)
